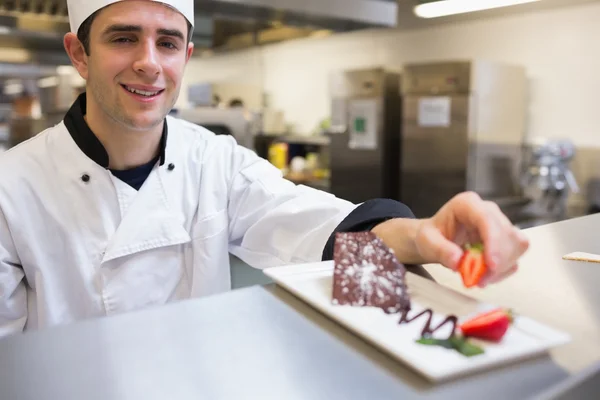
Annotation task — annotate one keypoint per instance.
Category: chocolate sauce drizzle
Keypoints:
(428, 330)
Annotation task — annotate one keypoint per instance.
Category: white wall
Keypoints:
(560, 49)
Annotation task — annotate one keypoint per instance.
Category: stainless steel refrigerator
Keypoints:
(463, 129)
(365, 134)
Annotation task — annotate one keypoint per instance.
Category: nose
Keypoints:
(147, 59)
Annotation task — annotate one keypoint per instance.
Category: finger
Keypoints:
(506, 254)
(508, 250)
(473, 236)
(514, 242)
(505, 275)
(434, 246)
(465, 236)
(473, 212)
(523, 240)
(461, 237)
(497, 275)
(490, 280)
(517, 244)
(496, 211)
(502, 243)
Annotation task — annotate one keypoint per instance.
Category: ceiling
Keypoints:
(234, 34)
(42, 23)
(408, 20)
(35, 28)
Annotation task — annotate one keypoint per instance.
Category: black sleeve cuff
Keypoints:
(365, 217)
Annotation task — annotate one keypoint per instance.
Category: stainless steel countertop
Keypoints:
(252, 343)
(563, 294)
(263, 343)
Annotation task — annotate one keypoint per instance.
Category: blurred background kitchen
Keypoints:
(369, 98)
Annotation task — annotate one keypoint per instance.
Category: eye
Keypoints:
(122, 40)
(168, 45)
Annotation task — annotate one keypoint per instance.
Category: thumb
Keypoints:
(433, 245)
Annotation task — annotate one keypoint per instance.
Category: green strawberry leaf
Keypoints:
(460, 344)
(478, 247)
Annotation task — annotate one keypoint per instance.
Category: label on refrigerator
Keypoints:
(362, 119)
(434, 112)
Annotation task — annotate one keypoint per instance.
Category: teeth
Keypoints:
(141, 92)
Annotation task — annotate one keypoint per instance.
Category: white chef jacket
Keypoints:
(78, 243)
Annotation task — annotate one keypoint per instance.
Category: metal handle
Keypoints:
(571, 181)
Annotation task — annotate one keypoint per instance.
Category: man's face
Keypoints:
(138, 52)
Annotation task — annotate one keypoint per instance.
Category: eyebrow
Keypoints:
(137, 28)
(171, 32)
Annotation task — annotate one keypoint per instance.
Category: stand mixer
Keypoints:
(547, 179)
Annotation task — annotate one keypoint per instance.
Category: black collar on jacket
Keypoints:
(87, 140)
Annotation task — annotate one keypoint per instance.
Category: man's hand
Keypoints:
(464, 219)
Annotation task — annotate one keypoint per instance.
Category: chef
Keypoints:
(121, 207)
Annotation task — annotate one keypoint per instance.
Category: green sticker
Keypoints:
(360, 125)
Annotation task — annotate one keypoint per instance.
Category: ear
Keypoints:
(76, 52)
(190, 50)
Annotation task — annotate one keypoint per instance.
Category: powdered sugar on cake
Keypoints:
(367, 273)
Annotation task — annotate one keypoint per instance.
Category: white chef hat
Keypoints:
(80, 10)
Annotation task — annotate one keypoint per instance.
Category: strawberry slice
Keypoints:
(472, 265)
(491, 325)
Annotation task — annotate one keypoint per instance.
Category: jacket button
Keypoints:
(85, 178)
(171, 167)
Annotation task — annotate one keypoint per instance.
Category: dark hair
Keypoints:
(83, 33)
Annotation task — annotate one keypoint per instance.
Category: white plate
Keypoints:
(525, 338)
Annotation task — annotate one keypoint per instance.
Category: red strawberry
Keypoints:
(472, 265)
(491, 325)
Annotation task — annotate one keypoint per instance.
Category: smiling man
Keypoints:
(133, 71)
(121, 207)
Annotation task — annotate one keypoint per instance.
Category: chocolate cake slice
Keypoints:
(368, 274)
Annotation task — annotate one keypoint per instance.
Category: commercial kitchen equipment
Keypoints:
(223, 94)
(463, 129)
(547, 179)
(237, 122)
(364, 134)
(232, 108)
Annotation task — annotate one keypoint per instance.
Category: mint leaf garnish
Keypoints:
(436, 342)
(460, 344)
(466, 348)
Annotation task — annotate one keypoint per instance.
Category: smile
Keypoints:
(144, 93)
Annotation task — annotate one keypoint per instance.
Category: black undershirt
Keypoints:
(364, 218)
(135, 177)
